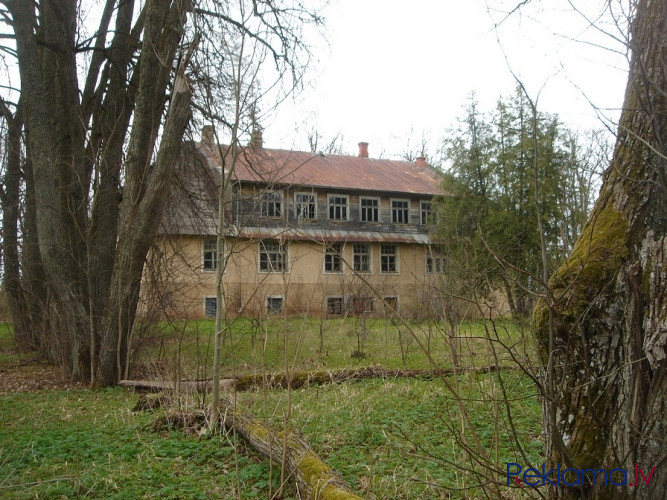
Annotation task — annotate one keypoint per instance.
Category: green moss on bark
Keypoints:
(593, 264)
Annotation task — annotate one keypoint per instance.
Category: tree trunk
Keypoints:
(606, 332)
(147, 183)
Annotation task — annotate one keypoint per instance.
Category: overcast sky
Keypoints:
(395, 71)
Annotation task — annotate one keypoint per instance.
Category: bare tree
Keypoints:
(102, 116)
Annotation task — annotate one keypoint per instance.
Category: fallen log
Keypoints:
(296, 380)
(314, 478)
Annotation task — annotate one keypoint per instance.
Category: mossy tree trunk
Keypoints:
(603, 327)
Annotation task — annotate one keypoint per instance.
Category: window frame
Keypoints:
(269, 301)
(403, 210)
(333, 258)
(311, 204)
(387, 302)
(426, 216)
(281, 251)
(384, 255)
(266, 202)
(374, 209)
(368, 255)
(437, 264)
(344, 209)
(214, 301)
(327, 304)
(209, 245)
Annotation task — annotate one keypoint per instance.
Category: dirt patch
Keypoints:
(32, 374)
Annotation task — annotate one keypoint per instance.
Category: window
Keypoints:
(435, 264)
(209, 261)
(272, 204)
(399, 211)
(305, 207)
(272, 256)
(362, 304)
(427, 214)
(370, 210)
(332, 258)
(210, 306)
(391, 304)
(338, 207)
(274, 305)
(334, 306)
(388, 262)
(362, 257)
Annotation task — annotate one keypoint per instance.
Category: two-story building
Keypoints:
(304, 233)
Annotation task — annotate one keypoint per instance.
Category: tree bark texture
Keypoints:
(606, 331)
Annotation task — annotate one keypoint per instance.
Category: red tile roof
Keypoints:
(282, 167)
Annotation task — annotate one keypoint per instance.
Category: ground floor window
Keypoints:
(274, 305)
(435, 264)
(362, 304)
(332, 258)
(391, 303)
(388, 261)
(362, 257)
(335, 306)
(210, 306)
(272, 256)
(209, 260)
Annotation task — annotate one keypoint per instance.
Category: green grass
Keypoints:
(394, 438)
(85, 444)
(398, 438)
(250, 346)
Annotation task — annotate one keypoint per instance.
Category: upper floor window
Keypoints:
(388, 259)
(305, 206)
(362, 257)
(370, 209)
(338, 207)
(399, 211)
(209, 260)
(271, 204)
(272, 256)
(427, 214)
(332, 258)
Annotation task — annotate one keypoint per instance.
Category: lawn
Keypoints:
(389, 438)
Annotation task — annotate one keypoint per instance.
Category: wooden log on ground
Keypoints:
(315, 479)
(298, 379)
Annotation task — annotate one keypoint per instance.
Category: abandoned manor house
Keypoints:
(304, 233)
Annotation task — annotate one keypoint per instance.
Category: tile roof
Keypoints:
(282, 167)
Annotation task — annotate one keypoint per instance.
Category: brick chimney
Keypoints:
(421, 161)
(363, 150)
(256, 138)
(208, 135)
